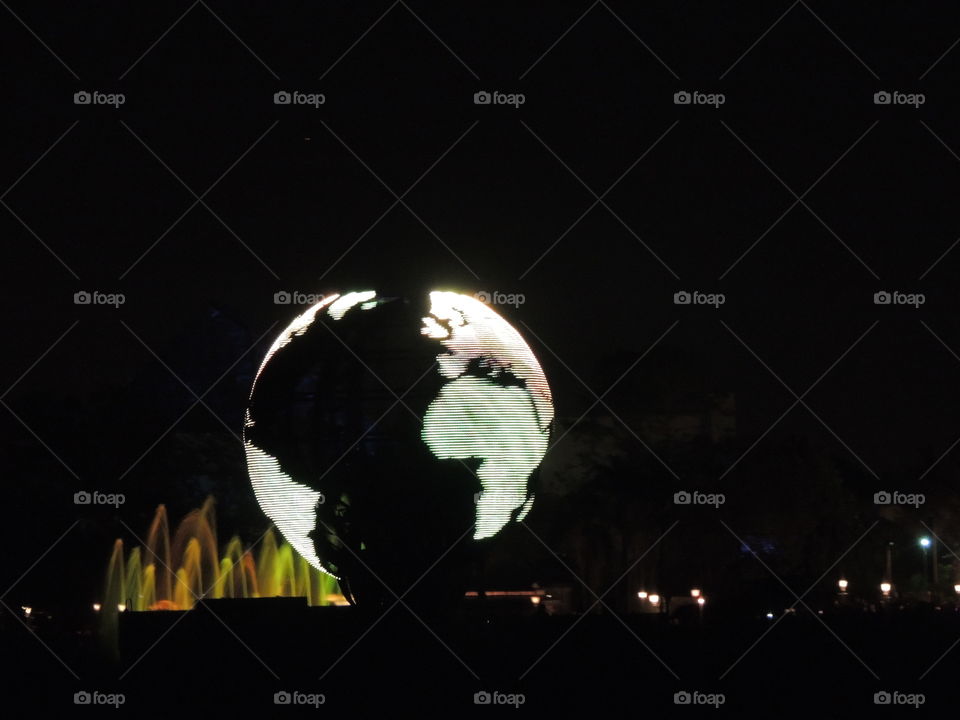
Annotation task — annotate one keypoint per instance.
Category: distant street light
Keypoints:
(885, 588)
(843, 584)
(695, 592)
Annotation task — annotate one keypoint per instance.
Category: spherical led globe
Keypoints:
(391, 436)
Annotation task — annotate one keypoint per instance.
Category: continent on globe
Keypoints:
(386, 436)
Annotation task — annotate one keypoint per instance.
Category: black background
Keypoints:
(303, 200)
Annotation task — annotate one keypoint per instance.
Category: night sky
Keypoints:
(598, 199)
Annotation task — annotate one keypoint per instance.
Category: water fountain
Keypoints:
(165, 575)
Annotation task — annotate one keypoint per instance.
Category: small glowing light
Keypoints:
(925, 542)
(654, 599)
(535, 599)
(885, 588)
(695, 592)
(26, 610)
(956, 589)
(843, 584)
(121, 607)
(769, 616)
(96, 607)
(643, 595)
(701, 601)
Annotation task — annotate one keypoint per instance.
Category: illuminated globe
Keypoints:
(391, 436)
